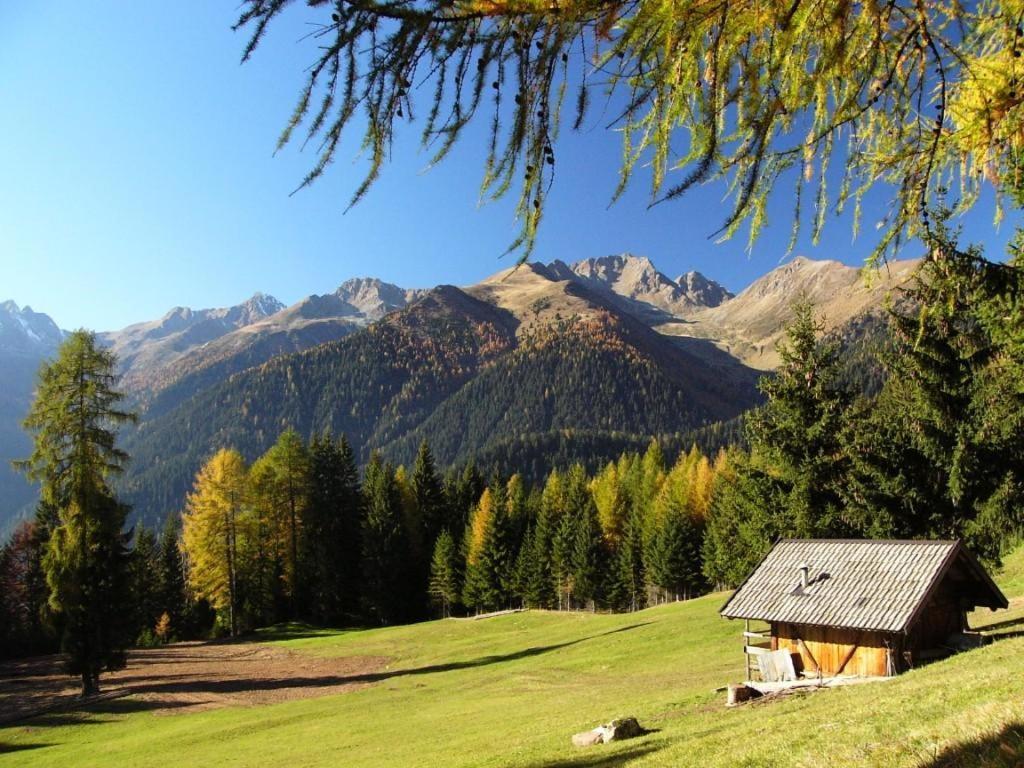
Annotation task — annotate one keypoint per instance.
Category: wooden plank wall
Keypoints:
(864, 653)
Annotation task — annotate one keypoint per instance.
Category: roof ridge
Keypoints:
(929, 542)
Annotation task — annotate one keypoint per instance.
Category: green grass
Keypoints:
(510, 691)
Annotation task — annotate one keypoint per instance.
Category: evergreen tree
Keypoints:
(672, 554)
(144, 578)
(539, 582)
(462, 492)
(798, 428)
(588, 554)
(173, 598)
(674, 560)
(747, 515)
(523, 567)
(385, 549)
(329, 548)
(517, 510)
(74, 419)
(419, 549)
(445, 587)
(627, 578)
(430, 497)
(489, 558)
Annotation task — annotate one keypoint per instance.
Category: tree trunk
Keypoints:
(90, 684)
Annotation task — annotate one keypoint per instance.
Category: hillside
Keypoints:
(510, 691)
(372, 386)
(465, 370)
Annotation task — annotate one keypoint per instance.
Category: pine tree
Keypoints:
(539, 577)
(672, 550)
(385, 549)
(144, 577)
(329, 542)
(215, 529)
(674, 562)
(173, 599)
(588, 555)
(419, 549)
(430, 497)
(747, 515)
(462, 492)
(74, 419)
(578, 562)
(489, 558)
(523, 567)
(445, 587)
(628, 577)
(798, 428)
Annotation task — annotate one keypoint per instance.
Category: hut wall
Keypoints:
(865, 653)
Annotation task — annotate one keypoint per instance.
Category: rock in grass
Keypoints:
(587, 738)
(616, 730)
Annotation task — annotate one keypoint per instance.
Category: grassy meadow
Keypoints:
(511, 690)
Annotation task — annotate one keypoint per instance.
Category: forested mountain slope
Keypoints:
(520, 353)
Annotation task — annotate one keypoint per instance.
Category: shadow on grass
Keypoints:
(997, 628)
(8, 749)
(1005, 748)
(85, 712)
(161, 690)
(597, 757)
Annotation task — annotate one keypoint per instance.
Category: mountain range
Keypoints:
(606, 351)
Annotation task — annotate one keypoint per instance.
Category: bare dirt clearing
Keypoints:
(186, 677)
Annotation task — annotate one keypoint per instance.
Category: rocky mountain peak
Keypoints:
(640, 287)
(373, 298)
(259, 306)
(626, 274)
(24, 331)
(702, 291)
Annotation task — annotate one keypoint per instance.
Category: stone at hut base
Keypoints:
(616, 730)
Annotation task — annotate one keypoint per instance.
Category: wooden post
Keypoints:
(848, 656)
(803, 645)
(747, 674)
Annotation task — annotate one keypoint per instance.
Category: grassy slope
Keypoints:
(511, 690)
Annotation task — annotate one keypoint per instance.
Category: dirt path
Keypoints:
(187, 677)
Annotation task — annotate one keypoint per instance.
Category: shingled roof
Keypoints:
(856, 584)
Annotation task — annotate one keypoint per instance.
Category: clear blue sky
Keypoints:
(138, 174)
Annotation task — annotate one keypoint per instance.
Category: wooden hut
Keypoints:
(857, 607)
